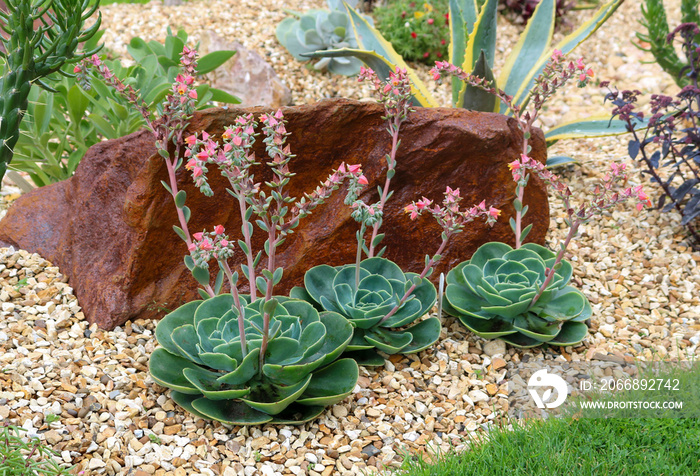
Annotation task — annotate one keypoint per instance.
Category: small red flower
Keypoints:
(430, 21)
(413, 35)
(443, 42)
(426, 54)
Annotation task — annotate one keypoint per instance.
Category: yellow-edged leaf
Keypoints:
(482, 37)
(529, 49)
(565, 46)
(597, 126)
(370, 40)
(382, 67)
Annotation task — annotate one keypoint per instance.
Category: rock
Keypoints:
(370, 450)
(498, 363)
(246, 75)
(495, 347)
(107, 226)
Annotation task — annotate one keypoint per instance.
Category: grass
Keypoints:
(564, 446)
(585, 446)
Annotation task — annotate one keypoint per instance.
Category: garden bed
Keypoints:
(636, 268)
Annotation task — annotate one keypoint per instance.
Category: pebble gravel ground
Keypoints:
(87, 394)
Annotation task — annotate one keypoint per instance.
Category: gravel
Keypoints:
(635, 267)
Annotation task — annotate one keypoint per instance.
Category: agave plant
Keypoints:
(213, 376)
(494, 294)
(367, 302)
(473, 48)
(319, 30)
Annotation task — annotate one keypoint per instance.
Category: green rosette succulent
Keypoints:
(201, 360)
(365, 305)
(491, 294)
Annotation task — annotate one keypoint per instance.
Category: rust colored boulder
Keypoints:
(109, 228)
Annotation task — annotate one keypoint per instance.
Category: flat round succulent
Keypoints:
(201, 360)
(381, 285)
(491, 295)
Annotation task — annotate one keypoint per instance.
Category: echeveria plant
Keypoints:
(522, 295)
(232, 357)
(214, 376)
(381, 301)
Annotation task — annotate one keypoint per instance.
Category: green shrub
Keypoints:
(418, 31)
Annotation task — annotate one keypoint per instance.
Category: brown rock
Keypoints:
(246, 75)
(109, 228)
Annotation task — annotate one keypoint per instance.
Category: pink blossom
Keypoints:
(362, 180)
(77, 69)
(206, 245)
(219, 229)
(423, 203)
(494, 212)
(354, 168)
(579, 64)
(197, 172)
(237, 141)
(192, 247)
(192, 94)
(224, 242)
(191, 140)
(198, 236)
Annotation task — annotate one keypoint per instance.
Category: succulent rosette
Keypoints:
(366, 301)
(492, 295)
(202, 361)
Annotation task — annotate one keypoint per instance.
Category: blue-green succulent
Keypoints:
(492, 294)
(319, 30)
(202, 361)
(367, 299)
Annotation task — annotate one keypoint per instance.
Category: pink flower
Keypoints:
(557, 54)
(237, 141)
(198, 236)
(430, 21)
(515, 165)
(579, 64)
(77, 69)
(197, 171)
(192, 247)
(224, 242)
(423, 203)
(494, 212)
(206, 245)
(192, 94)
(412, 210)
(362, 180)
(203, 155)
(219, 229)
(190, 140)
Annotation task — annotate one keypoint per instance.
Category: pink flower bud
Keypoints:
(237, 141)
(77, 69)
(219, 229)
(190, 140)
(224, 242)
(494, 212)
(198, 236)
(197, 172)
(354, 168)
(362, 180)
(192, 247)
(206, 245)
(192, 94)
(205, 135)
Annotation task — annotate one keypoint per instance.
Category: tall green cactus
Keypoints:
(30, 55)
(655, 22)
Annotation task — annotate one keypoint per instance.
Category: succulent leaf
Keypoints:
(211, 375)
(492, 295)
(365, 303)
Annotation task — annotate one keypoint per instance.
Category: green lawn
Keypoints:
(586, 446)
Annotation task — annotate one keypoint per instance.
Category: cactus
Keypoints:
(32, 54)
(657, 34)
